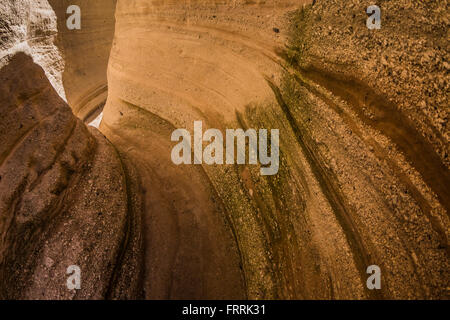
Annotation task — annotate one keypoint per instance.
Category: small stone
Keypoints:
(48, 262)
(422, 104)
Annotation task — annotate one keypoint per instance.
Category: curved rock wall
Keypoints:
(31, 27)
(86, 53)
(176, 62)
(75, 61)
(67, 198)
(371, 108)
(363, 177)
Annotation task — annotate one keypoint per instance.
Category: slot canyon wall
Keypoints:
(75, 61)
(31, 27)
(86, 53)
(364, 168)
(67, 198)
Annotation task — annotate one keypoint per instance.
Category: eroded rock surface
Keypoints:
(86, 53)
(67, 198)
(371, 109)
(361, 181)
(364, 170)
(31, 27)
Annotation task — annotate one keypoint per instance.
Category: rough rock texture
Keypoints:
(175, 62)
(31, 27)
(364, 173)
(362, 180)
(66, 198)
(372, 108)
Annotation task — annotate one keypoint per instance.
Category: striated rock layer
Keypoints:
(67, 198)
(86, 53)
(176, 62)
(364, 169)
(31, 27)
(371, 110)
(364, 143)
(75, 61)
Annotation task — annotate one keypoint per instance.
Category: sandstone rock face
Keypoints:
(86, 53)
(67, 198)
(173, 63)
(364, 169)
(31, 27)
(372, 109)
(75, 61)
(361, 181)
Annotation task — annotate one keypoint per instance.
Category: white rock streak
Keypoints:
(96, 122)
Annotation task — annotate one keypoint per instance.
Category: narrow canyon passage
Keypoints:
(363, 173)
